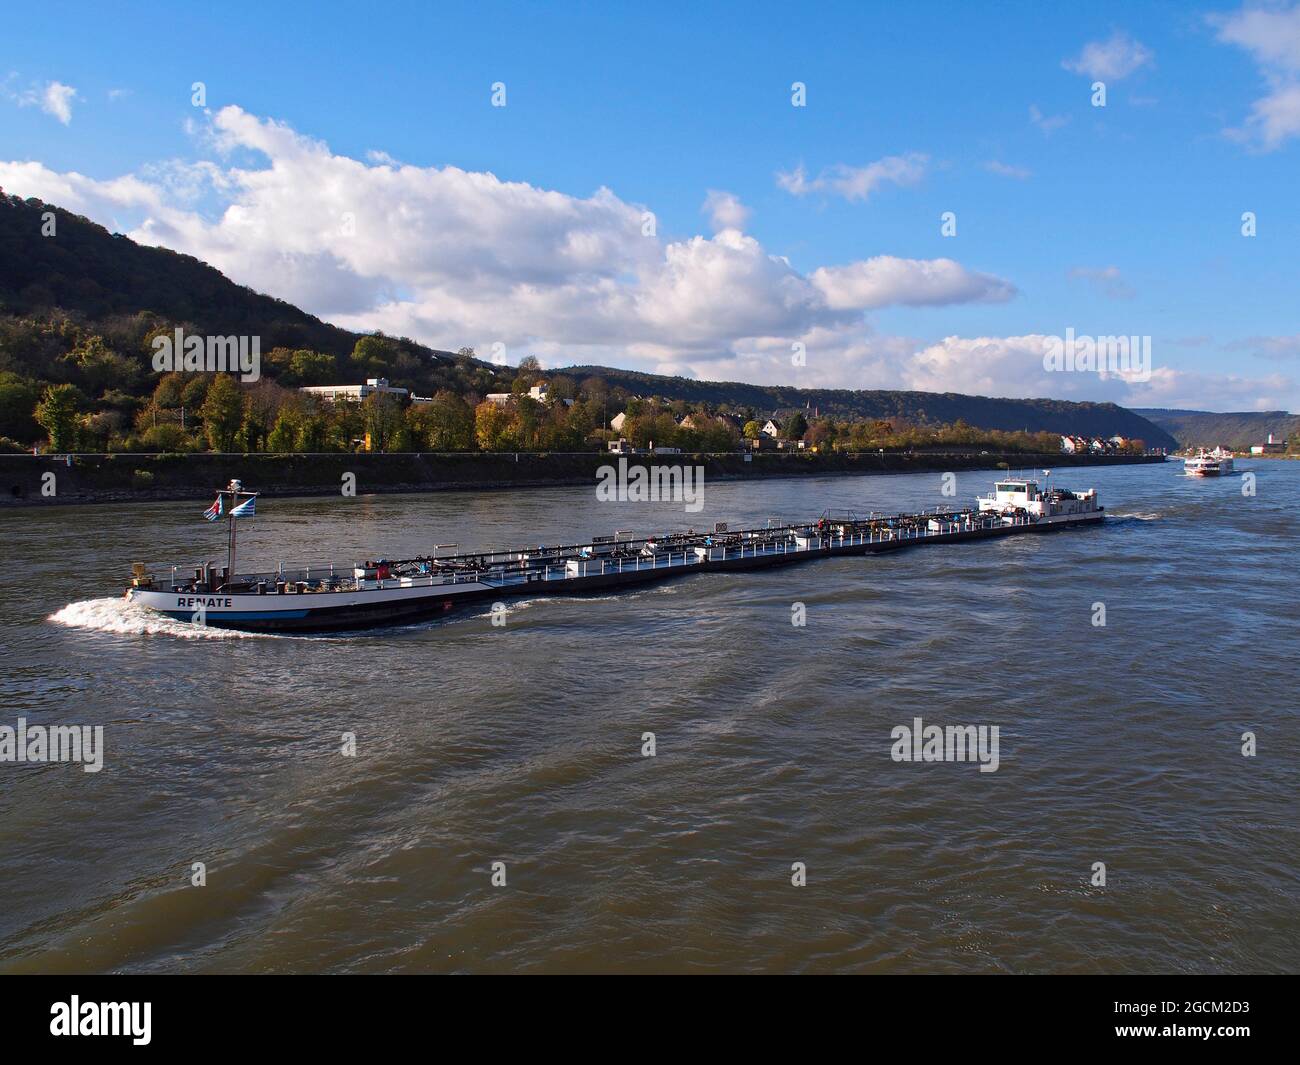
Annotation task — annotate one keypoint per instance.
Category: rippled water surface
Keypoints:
(522, 744)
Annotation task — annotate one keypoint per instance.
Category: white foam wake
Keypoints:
(121, 617)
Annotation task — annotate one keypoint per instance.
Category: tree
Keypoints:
(796, 426)
(284, 433)
(526, 422)
(167, 393)
(373, 355)
(444, 424)
(492, 426)
(752, 431)
(194, 392)
(57, 415)
(167, 437)
(18, 399)
(222, 412)
(383, 418)
(313, 433)
(313, 367)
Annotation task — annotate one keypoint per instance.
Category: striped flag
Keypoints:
(213, 512)
(246, 509)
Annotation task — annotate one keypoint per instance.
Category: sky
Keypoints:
(858, 195)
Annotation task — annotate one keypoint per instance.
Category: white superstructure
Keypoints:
(1017, 496)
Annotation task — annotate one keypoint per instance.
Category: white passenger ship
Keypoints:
(1216, 463)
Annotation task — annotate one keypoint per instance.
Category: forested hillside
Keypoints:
(1236, 430)
(81, 307)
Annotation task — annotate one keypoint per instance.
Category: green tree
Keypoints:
(313, 367)
(222, 412)
(284, 434)
(99, 366)
(313, 433)
(444, 424)
(18, 399)
(383, 419)
(373, 355)
(167, 393)
(194, 392)
(57, 415)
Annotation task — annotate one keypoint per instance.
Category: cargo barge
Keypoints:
(385, 592)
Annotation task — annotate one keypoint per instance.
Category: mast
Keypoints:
(234, 490)
(230, 541)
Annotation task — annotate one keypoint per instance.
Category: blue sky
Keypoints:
(482, 225)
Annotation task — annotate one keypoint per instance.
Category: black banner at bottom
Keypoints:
(303, 1013)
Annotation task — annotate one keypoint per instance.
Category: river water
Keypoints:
(522, 744)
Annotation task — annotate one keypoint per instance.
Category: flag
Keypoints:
(246, 509)
(213, 512)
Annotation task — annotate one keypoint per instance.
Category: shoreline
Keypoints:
(134, 478)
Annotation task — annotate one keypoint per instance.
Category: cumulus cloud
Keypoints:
(1110, 60)
(856, 183)
(454, 257)
(725, 210)
(889, 281)
(1272, 37)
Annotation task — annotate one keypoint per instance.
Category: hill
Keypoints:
(80, 307)
(1237, 429)
(920, 408)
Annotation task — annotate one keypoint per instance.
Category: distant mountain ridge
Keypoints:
(1235, 429)
(921, 408)
(100, 276)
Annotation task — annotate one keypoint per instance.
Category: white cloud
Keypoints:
(856, 183)
(1008, 170)
(1105, 279)
(1272, 37)
(1276, 348)
(889, 281)
(454, 257)
(1049, 124)
(54, 98)
(1111, 59)
(1013, 367)
(725, 210)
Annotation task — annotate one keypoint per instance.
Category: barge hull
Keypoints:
(381, 610)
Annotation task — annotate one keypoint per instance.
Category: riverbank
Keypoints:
(47, 480)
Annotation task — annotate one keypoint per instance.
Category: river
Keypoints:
(524, 744)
